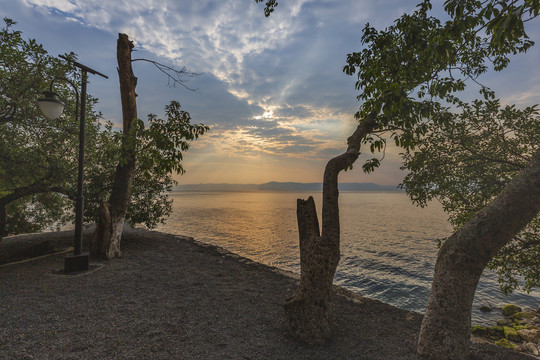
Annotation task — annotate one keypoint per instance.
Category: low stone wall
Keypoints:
(26, 246)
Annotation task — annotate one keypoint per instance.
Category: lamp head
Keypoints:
(50, 105)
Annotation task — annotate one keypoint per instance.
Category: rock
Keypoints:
(520, 315)
(529, 335)
(533, 348)
(496, 332)
(480, 330)
(524, 323)
(485, 308)
(506, 344)
(510, 309)
(504, 322)
(511, 334)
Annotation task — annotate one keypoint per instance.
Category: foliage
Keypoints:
(159, 149)
(410, 75)
(465, 162)
(33, 214)
(163, 142)
(410, 72)
(269, 6)
(38, 156)
(36, 153)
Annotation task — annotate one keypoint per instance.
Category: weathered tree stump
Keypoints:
(308, 310)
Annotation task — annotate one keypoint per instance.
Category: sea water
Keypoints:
(388, 245)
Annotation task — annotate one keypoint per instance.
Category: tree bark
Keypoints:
(106, 239)
(308, 309)
(446, 328)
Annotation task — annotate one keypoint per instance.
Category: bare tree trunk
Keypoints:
(446, 328)
(106, 239)
(308, 309)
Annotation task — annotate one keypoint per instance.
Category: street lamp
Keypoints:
(52, 107)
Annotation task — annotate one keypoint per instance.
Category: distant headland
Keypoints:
(284, 186)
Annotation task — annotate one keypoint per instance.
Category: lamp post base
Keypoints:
(73, 263)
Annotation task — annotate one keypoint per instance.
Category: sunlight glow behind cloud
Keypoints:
(262, 61)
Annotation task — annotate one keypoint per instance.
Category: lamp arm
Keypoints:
(74, 88)
(66, 80)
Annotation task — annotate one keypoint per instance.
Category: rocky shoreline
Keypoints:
(519, 330)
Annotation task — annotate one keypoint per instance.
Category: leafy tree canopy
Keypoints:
(159, 148)
(38, 156)
(410, 75)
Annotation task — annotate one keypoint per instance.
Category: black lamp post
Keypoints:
(52, 107)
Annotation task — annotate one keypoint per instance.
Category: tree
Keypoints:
(149, 202)
(467, 161)
(269, 6)
(462, 258)
(106, 240)
(409, 75)
(161, 146)
(482, 165)
(308, 309)
(38, 156)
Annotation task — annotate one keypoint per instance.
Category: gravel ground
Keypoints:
(170, 297)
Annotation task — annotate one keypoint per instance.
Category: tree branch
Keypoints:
(174, 76)
(488, 159)
(32, 189)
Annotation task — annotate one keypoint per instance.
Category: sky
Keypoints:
(272, 89)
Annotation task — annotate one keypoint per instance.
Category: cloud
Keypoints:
(272, 89)
(230, 40)
(251, 64)
(65, 6)
(331, 151)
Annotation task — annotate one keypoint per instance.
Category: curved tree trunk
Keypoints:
(106, 239)
(308, 309)
(446, 328)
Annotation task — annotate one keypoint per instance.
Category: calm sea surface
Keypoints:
(388, 245)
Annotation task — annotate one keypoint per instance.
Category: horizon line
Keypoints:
(284, 182)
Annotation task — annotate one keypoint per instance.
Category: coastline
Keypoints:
(172, 297)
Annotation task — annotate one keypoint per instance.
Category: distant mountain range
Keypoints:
(283, 186)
